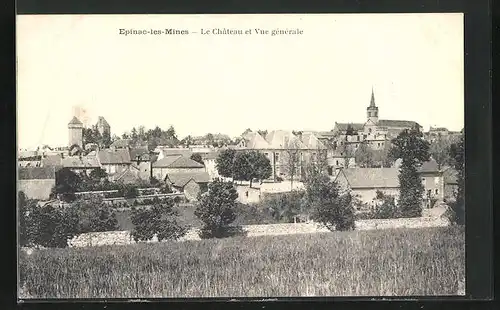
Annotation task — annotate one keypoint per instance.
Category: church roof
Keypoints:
(344, 126)
(281, 139)
(396, 123)
(75, 121)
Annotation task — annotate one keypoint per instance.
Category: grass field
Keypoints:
(374, 263)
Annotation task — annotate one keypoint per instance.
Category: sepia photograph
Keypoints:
(240, 156)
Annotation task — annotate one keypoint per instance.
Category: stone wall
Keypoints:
(123, 237)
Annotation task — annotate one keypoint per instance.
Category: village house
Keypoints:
(79, 164)
(29, 159)
(284, 150)
(365, 182)
(191, 184)
(141, 162)
(114, 160)
(121, 144)
(36, 182)
(164, 151)
(174, 164)
(129, 175)
(209, 160)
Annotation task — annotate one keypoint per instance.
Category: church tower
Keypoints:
(75, 128)
(372, 110)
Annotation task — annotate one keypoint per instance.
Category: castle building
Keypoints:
(75, 129)
(103, 127)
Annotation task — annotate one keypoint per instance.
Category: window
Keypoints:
(428, 192)
(337, 162)
(276, 157)
(437, 191)
(379, 144)
(358, 138)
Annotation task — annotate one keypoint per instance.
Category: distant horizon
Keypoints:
(71, 65)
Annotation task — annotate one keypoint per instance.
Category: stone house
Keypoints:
(190, 184)
(80, 164)
(36, 182)
(364, 183)
(114, 160)
(141, 161)
(283, 148)
(164, 151)
(432, 180)
(209, 159)
(174, 164)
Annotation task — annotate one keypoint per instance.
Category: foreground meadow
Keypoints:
(391, 262)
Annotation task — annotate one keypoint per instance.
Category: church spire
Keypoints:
(372, 100)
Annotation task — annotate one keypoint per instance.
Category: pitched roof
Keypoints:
(344, 126)
(52, 160)
(75, 121)
(281, 139)
(371, 177)
(396, 123)
(110, 157)
(312, 142)
(168, 151)
(429, 166)
(181, 179)
(141, 152)
(80, 162)
(126, 176)
(37, 173)
(255, 141)
(177, 161)
(121, 143)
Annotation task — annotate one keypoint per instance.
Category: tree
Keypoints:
(381, 158)
(413, 151)
(440, 150)
(347, 153)
(98, 174)
(364, 156)
(95, 216)
(216, 209)
(262, 132)
(225, 163)
(350, 130)
(159, 220)
(457, 154)
(284, 207)
(67, 183)
(387, 208)
(197, 158)
(26, 225)
(291, 161)
(328, 206)
(250, 165)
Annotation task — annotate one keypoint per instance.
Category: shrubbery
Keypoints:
(252, 215)
(328, 206)
(159, 220)
(216, 210)
(95, 216)
(284, 207)
(387, 209)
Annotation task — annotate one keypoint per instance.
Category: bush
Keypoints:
(159, 220)
(328, 206)
(284, 207)
(95, 216)
(252, 214)
(216, 210)
(387, 209)
(279, 179)
(129, 191)
(48, 226)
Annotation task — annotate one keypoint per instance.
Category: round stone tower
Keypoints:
(75, 129)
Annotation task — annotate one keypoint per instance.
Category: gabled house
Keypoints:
(432, 180)
(191, 184)
(114, 160)
(127, 176)
(80, 164)
(365, 182)
(36, 182)
(141, 161)
(175, 164)
(209, 159)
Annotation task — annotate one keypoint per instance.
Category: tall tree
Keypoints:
(291, 159)
(225, 163)
(328, 205)
(364, 156)
(440, 150)
(381, 157)
(216, 209)
(347, 153)
(457, 153)
(413, 150)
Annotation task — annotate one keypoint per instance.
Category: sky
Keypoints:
(80, 65)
